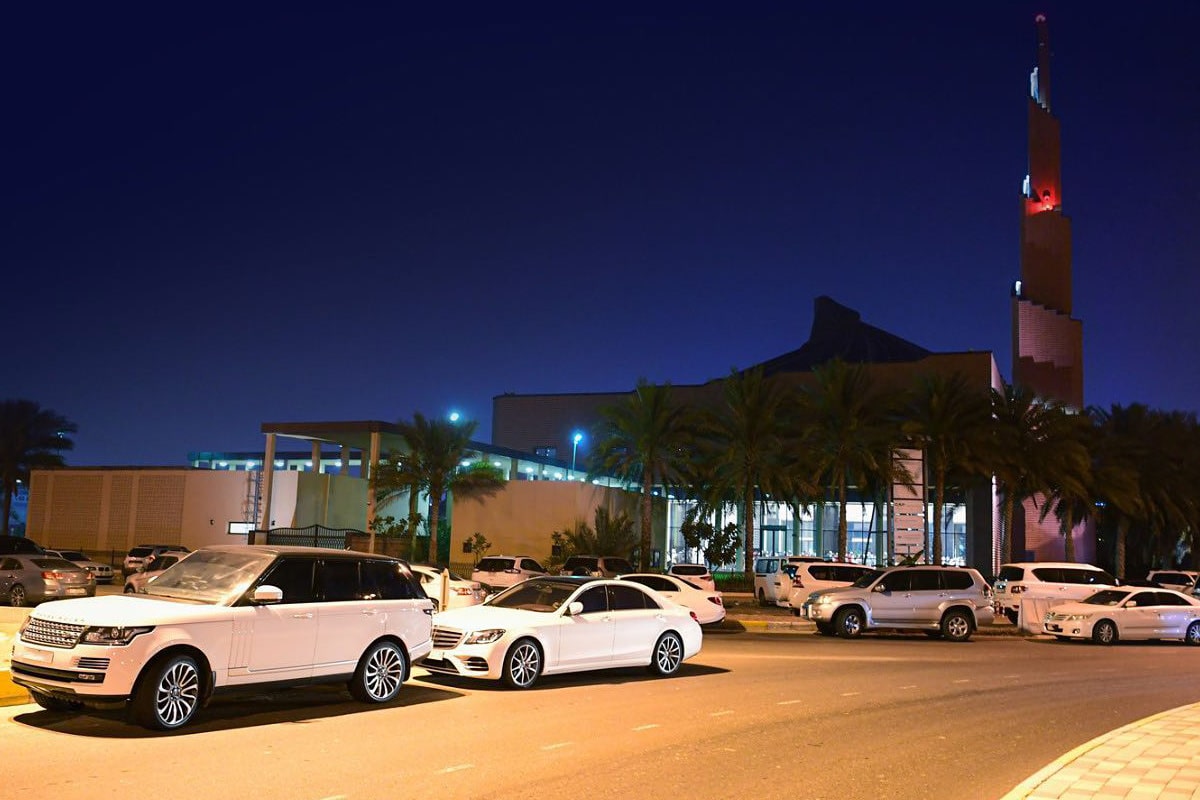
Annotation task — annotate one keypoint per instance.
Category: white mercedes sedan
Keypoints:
(1127, 613)
(549, 625)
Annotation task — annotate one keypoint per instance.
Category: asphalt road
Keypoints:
(754, 716)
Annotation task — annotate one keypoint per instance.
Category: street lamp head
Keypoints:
(578, 438)
(454, 416)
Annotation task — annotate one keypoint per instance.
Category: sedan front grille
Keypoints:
(54, 634)
(446, 638)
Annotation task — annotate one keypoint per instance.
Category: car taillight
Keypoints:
(54, 575)
(461, 590)
(715, 600)
(1016, 589)
(693, 613)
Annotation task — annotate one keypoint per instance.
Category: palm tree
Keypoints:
(643, 441)
(948, 420)
(435, 451)
(1118, 458)
(1018, 456)
(844, 426)
(1069, 482)
(30, 437)
(743, 441)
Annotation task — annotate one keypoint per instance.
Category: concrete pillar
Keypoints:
(370, 470)
(264, 522)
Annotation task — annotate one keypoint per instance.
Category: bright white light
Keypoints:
(529, 469)
(454, 416)
(578, 438)
(495, 463)
(279, 463)
(222, 464)
(308, 463)
(466, 462)
(558, 476)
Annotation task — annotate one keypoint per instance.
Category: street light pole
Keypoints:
(574, 447)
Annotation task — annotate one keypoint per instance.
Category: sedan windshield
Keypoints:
(536, 595)
(213, 577)
(1107, 597)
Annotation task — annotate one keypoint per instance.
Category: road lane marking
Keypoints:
(788, 702)
(720, 713)
(557, 745)
(456, 768)
(963, 680)
(645, 727)
(850, 694)
(910, 686)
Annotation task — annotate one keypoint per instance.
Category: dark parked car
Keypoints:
(28, 579)
(18, 544)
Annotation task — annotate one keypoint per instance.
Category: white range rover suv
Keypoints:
(229, 617)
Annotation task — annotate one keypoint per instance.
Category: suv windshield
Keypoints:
(867, 579)
(212, 577)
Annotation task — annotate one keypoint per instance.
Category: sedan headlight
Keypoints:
(484, 637)
(112, 635)
(1076, 617)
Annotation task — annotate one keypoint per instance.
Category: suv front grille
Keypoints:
(446, 638)
(54, 634)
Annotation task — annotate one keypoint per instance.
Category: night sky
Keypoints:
(217, 215)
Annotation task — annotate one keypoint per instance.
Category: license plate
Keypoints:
(35, 655)
(76, 590)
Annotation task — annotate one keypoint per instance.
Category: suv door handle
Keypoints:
(302, 616)
(369, 612)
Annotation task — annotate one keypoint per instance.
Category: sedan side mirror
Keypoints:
(574, 609)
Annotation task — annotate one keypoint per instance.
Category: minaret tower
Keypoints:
(1047, 341)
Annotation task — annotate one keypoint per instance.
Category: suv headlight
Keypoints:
(823, 599)
(112, 634)
(484, 637)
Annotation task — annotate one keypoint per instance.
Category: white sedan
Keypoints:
(550, 625)
(1127, 613)
(460, 592)
(708, 605)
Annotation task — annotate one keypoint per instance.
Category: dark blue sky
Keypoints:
(218, 215)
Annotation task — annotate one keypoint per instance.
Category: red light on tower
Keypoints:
(1047, 204)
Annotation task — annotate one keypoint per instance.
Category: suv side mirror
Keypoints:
(574, 609)
(879, 587)
(267, 594)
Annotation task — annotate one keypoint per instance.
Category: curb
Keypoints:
(10, 693)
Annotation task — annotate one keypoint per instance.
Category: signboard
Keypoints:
(908, 504)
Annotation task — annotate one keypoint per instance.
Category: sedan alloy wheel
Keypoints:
(522, 664)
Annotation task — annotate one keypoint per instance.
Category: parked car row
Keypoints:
(233, 617)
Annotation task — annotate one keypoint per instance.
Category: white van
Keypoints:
(1059, 581)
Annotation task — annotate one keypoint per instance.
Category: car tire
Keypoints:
(381, 673)
(667, 656)
(1193, 634)
(17, 596)
(169, 693)
(826, 629)
(129, 589)
(762, 597)
(51, 703)
(956, 626)
(849, 622)
(1012, 615)
(522, 664)
(1104, 632)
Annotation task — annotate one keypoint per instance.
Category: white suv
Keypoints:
(500, 572)
(1055, 581)
(815, 577)
(225, 618)
(951, 602)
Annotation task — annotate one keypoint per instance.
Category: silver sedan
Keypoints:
(26, 579)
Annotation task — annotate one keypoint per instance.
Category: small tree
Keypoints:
(478, 545)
